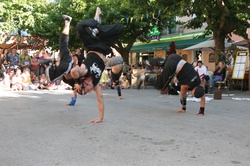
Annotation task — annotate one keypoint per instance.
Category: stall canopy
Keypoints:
(21, 39)
(241, 43)
(32, 42)
(207, 45)
(180, 44)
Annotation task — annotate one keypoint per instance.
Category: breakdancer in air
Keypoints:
(98, 41)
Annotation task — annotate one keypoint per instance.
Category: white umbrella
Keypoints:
(242, 48)
(241, 43)
(207, 45)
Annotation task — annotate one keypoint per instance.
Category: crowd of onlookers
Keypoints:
(23, 70)
(133, 76)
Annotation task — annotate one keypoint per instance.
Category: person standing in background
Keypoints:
(80, 56)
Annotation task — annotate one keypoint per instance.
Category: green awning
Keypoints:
(149, 47)
(180, 44)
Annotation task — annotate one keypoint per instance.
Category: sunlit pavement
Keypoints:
(143, 129)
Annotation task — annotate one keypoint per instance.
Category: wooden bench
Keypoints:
(224, 83)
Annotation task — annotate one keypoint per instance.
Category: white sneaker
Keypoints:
(98, 15)
(95, 31)
(66, 17)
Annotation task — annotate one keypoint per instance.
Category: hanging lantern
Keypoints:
(127, 20)
(131, 20)
(159, 12)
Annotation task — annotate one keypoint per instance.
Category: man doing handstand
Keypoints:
(86, 77)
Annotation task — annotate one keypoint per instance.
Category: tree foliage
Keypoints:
(15, 14)
(44, 19)
(138, 17)
(223, 18)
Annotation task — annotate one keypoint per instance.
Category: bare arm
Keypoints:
(100, 102)
(203, 98)
(76, 72)
(184, 90)
(183, 96)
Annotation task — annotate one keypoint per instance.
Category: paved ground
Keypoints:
(143, 129)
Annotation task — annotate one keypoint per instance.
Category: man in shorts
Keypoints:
(188, 79)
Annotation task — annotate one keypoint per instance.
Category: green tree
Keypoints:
(137, 17)
(40, 18)
(223, 18)
(28, 15)
(17, 14)
(50, 23)
(44, 19)
(20, 14)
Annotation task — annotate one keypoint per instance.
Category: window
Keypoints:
(211, 57)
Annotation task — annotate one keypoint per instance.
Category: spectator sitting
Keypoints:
(27, 84)
(22, 55)
(4, 59)
(35, 64)
(32, 76)
(124, 82)
(43, 82)
(201, 69)
(36, 81)
(218, 75)
(8, 78)
(104, 79)
(17, 83)
(13, 58)
(203, 73)
(41, 57)
(25, 63)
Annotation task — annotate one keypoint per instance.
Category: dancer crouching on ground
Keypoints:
(188, 78)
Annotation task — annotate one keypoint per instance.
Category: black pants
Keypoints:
(106, 37)
(65, 57)
(159, 62)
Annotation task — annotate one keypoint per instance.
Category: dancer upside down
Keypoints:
(98, 41)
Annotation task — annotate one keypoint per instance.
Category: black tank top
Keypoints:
(95, 66)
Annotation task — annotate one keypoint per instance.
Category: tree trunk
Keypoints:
(219, 45)
(248, 42)
(124, 51)
(125, 55)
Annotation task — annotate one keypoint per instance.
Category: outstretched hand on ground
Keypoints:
(96, 121)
